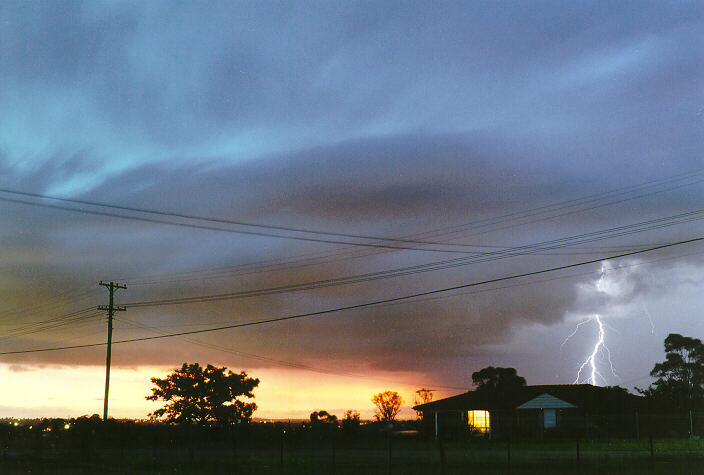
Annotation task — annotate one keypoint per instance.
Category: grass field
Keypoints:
(370, 456)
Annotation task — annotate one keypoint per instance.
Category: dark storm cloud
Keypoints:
(367, 118)
(330, 186)
(381, 179)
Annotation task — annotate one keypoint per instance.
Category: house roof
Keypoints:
(546, 401)
(583, 396)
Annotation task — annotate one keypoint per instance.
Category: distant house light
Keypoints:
(479, 420)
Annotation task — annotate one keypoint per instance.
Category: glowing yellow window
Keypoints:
(479, 420)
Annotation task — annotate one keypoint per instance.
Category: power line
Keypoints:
(380, 240)
(366, 304)
(239, 231)
(480, 223)
(255, 267)
(506, 253)
(572, 203)
(50, 324)
(279, 362)
(75, 295)
(81, 325)
(433, 266)
(528, 249)
(244, 270)
(504, 287)
(220, 220)
(156, 212)
(307, 367)
(522, 250)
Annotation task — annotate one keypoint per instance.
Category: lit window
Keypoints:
(479, 420)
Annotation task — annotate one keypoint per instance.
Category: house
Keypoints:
(534, 412)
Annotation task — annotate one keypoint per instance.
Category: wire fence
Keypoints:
(625, 426)
(128, 447)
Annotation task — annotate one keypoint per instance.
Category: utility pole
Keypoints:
(111, 309)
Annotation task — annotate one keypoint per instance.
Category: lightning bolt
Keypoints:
(589, 366)
(650, 319)
(574, 332)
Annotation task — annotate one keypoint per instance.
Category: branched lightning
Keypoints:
(591, 360)
(574, 332)
(589, 365)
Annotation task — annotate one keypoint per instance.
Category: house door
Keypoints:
(549, 418)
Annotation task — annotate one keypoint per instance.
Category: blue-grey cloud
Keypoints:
(128, 83)
(387, 118)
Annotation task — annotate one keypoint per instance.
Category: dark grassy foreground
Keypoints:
(276, 449)
(416, 458)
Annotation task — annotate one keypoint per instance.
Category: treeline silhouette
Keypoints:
(51, 444)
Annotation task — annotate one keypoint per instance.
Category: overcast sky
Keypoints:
(467, 131)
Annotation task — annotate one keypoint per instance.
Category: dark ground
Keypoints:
(129, 447)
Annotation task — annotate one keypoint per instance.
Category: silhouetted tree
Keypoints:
(388, 404)
(351, 418)
(204, 395)
(502, 386)
(323, 417)
(423, 396)
(323, 423)
(680, 383)
(498, 379)
(351, 422)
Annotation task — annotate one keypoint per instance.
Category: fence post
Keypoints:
(172, 437)
(153, 438)
(5, 447)
(443, 460)
(84, 453)
(281, 453)
(652, 451)
(508, 452)
(38, 461)
(691, 428)
(233, 446)
(191, 449)
(388, 443)
(121, 434)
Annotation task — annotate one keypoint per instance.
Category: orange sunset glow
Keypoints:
(282, 394)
